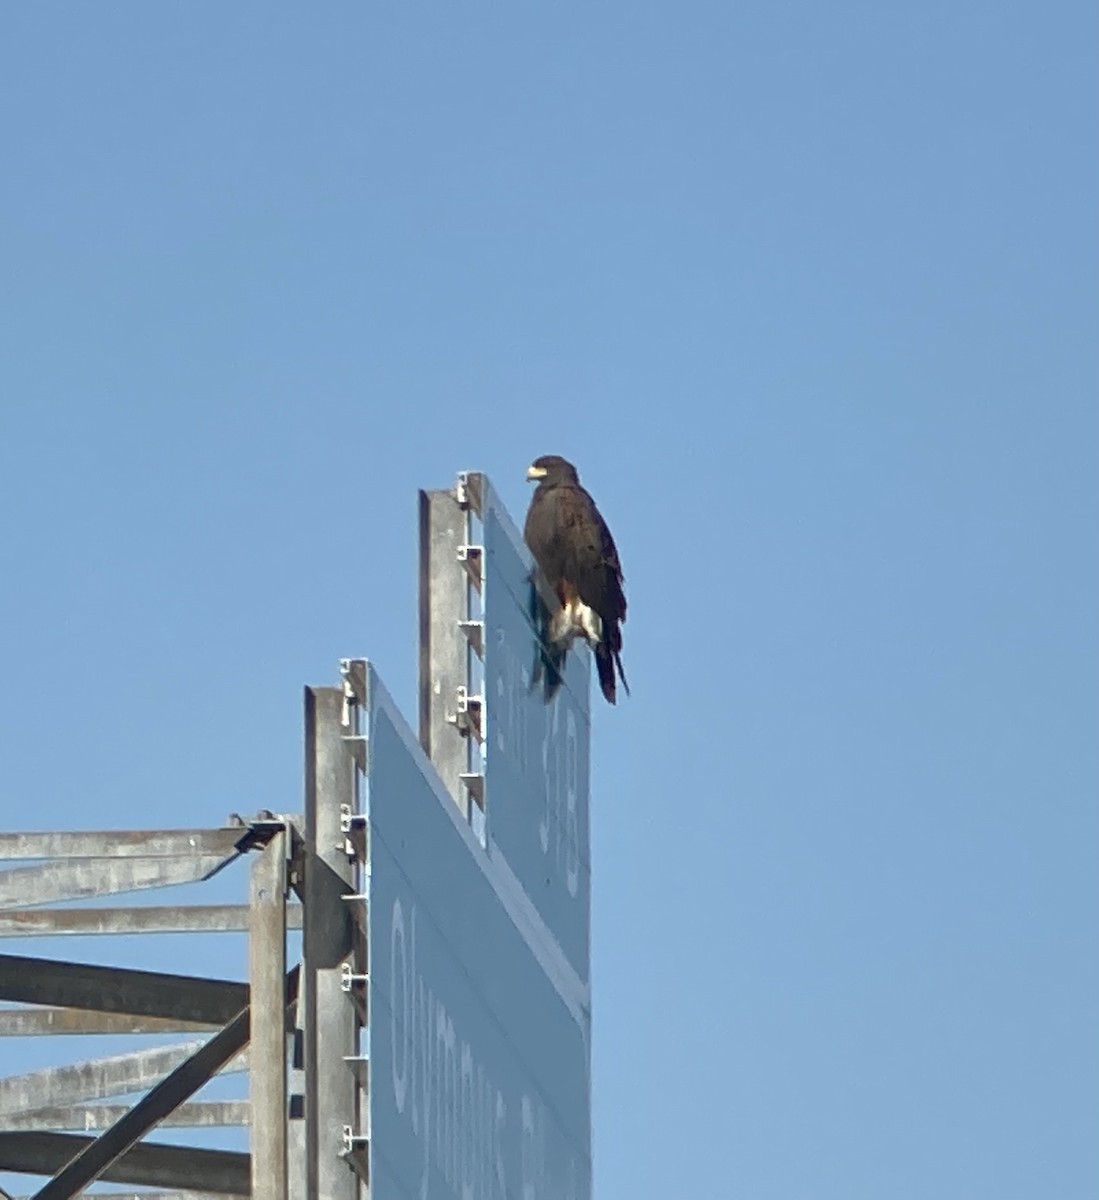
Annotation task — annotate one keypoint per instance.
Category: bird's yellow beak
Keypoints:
(534, 473)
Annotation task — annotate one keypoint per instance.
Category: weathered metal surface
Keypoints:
(479, 1042)
(295, 1133)
(119, 990)
(94, 1079)
(267, 974)
(353, 672)
(144, 1195)
(190, 918)
(331, 1097)
(148, 1165)
(443, 644)
(39, 1108)
(38, 1022)
(120, 843)
(358, 1158)
(95, 1159)
(90, 1118)
(84, 878)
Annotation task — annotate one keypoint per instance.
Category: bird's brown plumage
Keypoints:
(577, 556)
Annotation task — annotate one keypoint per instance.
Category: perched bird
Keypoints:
(577, 556)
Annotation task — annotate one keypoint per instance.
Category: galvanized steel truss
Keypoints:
(298, 1032)
(301, 1034)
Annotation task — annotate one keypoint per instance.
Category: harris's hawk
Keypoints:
(577, 556)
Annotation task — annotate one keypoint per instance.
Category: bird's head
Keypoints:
(551, 469)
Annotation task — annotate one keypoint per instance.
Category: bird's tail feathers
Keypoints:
(605, 662)
(621, 671)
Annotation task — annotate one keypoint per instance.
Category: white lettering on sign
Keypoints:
(559, 828)
(454, 1108)
(533, 1151)
(553, 771)
(512, 688)
(539, 1179)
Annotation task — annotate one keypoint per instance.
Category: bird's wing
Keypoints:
(591, 555)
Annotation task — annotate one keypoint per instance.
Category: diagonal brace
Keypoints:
(172, 1091)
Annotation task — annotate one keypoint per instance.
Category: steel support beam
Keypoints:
(41, 1022)
(132, 1195)
(267, 959)
(120, 843)
(94, 1079)
(148, 1165)
(83, 878)
(443, 649)
(89, 1118)
(331, 1099)
(295, 1134)
(96, 1158)
(120, 990)
(190, 918)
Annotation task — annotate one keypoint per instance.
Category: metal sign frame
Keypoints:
(506, 986)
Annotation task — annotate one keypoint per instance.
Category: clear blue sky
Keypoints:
(810, 294)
